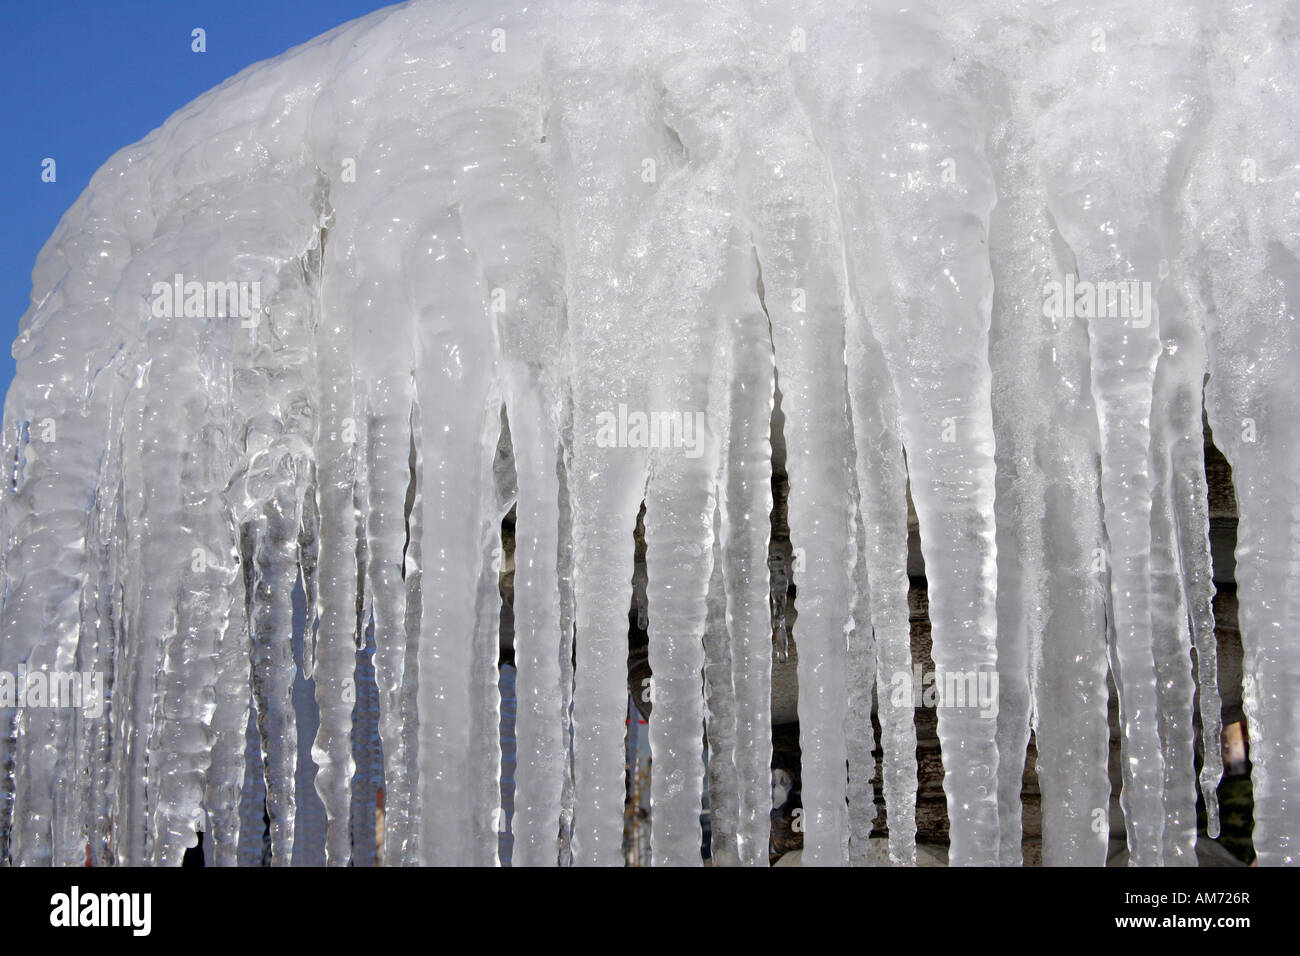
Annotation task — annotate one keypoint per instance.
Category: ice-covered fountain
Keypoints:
(326, 326)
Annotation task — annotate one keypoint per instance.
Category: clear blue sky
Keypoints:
(80, 79)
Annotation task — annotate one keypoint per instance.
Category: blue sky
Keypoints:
(80, 79)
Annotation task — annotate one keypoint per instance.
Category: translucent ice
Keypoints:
(293, 359)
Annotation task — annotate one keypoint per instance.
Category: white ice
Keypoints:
(481, 234)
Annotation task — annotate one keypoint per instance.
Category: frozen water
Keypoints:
(322, 331)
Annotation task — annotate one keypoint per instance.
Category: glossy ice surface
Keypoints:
(560, 257)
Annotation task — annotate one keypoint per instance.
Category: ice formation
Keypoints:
(1002, 256)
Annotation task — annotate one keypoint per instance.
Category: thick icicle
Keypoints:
(1182, 611)
(600, 195)
(455, 342)
(1118, 232)
(882, 496)
(528, 303)
(688, 284)
(679, 552)
(1243, 224)
(541, 741)
(911, 176)
(514, 235)
(1051, 630)
(746, 506)
(797, 238)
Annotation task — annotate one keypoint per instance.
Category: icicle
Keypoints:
(679, 517)
(151, 479)
(486, 816)
(688, 283)
(277, 413)
(604, 502)
(225, 778)
(381, 209)
(1184, 516)
(390, 397)
(629, 220)
(69, 353)
(746, 506)
(720, 717)
(1118, 231)
(1171, 644)
(455, 359)
(1123, 364)
(254, 836)
(309, 551)
(678, 558)
(882, 491)
(1191, 514)
(1052, 656)
(365, 748)
(568, 615)
(599, 194)
(208, 537)
(336, 636)
(797, 239)
(1182, 593)
(908, 161)
(540, 722)
(778, 563)
(1242, 214)
(1052, 534)
(336, 650)
(191, 663)
(1019, 505)
(514, 234)
(275, 568)
(99, 644)
(858, 731)
(412, 569)
(1020, 339)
